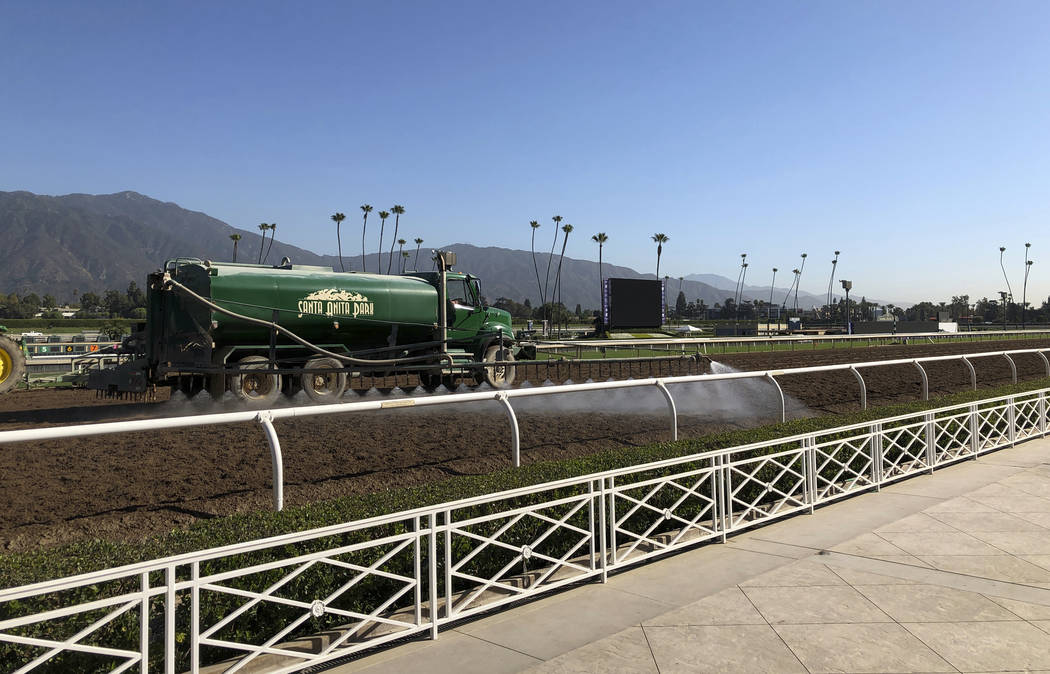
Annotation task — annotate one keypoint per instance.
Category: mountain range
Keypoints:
(77, 243)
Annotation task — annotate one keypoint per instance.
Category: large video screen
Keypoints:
(633, 303)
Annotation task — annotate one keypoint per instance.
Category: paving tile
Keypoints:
(960, 504)
(1042, 561)
(987, 646)
(792, 605)
(1013, 502)
(997, 567)
(1018, 542)
(867, 545)
(627, 652)
(933, 603)
(451, 653)
(728, 607)
(721, 648)
(875, 647)
(547, 629)
(802, 573)
(1023, 609)
(996, 521)
(940, 543)
(857, 577)
(1042, 519)
(915, 523)
(1042, 624)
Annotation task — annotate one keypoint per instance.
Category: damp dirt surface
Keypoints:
(129, 485)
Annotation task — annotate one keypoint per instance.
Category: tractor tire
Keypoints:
(498, 376)
(12, 364)
(323, 387)
(256, 389)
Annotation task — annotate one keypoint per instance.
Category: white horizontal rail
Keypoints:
(786, 339)
(622, 517)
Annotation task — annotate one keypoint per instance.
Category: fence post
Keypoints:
(1042, 414)
(515, 433)
(671, 406)
(265, 419)
(931, 442)
(432, 572)
(975, 430)
(144, 624)
(876, 455)
(809, 444)
(603, 543)
(1011, 420)
(724, 494)
(612, 520)
(169, 619)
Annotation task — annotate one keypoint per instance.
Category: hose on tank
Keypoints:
(172, 283)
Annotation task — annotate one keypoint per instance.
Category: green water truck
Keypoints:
(258, 331)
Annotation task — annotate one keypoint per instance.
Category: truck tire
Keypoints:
(323, 387)
(256, 389)
(498, 376)
(12, 364)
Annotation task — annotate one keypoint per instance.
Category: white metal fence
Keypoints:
(288, 602)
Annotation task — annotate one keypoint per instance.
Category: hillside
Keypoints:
(77, 243)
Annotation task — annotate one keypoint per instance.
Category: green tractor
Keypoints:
(12, 362)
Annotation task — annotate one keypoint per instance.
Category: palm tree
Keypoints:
(783, 304)
(397, 210)
(404, 259)
(263, 227)
(273, 229)
(660, 240)
(550, 258)
(739, 290)
(338, 219)
(235, 238)
(600, 238)
(415, 262)
(539, 287)
(366, 209)
(383, 215)
(557, 277)
(401, 249)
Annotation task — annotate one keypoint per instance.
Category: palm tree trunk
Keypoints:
(539, 288)
(364, 228)
(415, 262)
(659, 251)
(234, 251)
(390, 260)
(557, 277)
(339, 244)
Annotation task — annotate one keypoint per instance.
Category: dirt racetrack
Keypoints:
(128, 486)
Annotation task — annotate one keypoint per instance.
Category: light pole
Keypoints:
(1024, 291)
(847, 286)
(831, 281)
(799, 281)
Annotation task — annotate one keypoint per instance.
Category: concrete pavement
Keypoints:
(947, 572)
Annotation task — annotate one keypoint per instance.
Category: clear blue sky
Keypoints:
(913, 136)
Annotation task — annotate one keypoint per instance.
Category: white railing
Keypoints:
(265, 418)
(292, 601)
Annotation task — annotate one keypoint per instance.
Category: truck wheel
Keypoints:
(498, 376)
(323, 387)
(12, 364)
(257, 389)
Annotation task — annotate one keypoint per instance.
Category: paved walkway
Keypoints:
(942, 573)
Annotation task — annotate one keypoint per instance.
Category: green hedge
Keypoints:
(63, 324)
(39, 565)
